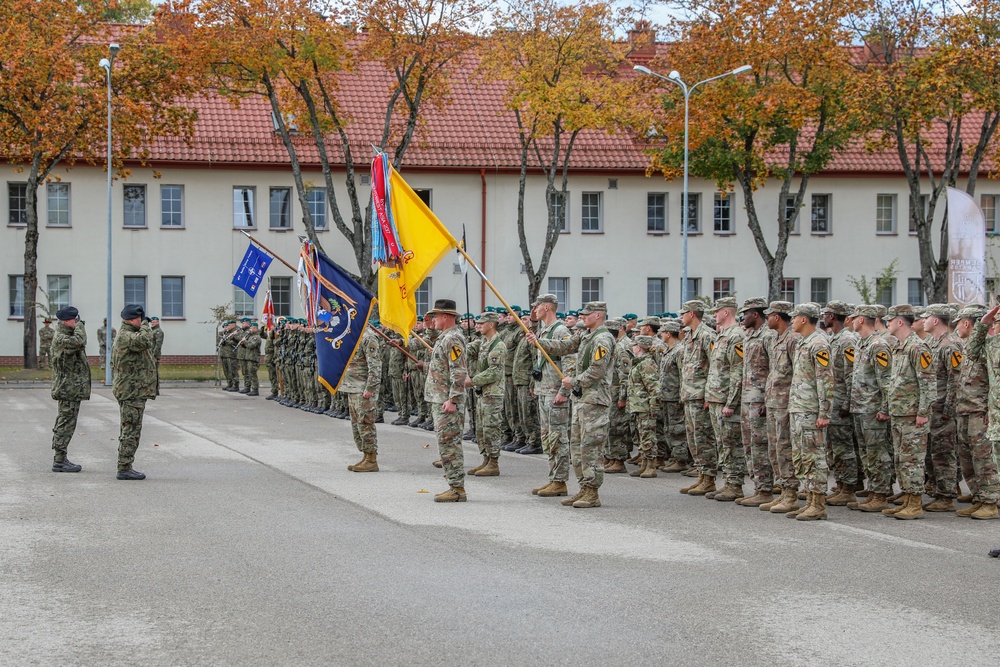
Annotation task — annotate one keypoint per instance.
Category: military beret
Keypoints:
(252, 324)
(723, 302)
(693, 306)
(594, 307)
(650, 320)
(670, 325)
(468, 316)
(575, 313)
(244, 319)
(866, 310)
(837, 308)
(903, 309)
(132, 311)
(615, 323)
(779, 307)
(645, 342)
(546, 298)
(971, 312)
(938, 310)
(630, 316)
(755, 302)
(516, 309)
(488, 317)
(807, 309)
(67, 313)
(154, 318)
(561, 315)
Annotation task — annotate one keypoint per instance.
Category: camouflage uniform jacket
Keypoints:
(157, 342)
(364, 372)
(45, 335)
(446, 371)
(524, 357)
(644, 385)
(594, 357)
(755, 363)
(811, 389)
(550, 384)
(70, 368)
(947, 352)
(510, 337)
(779, 369)
(132, 364)
(972, 395)
(670, 373)
(843, 348)
(269, 347)
(488, 369)
(622, 369)
(911, 385)
(249, 347)
(694, 371)
(988, 350)
(725, 372)
(869, 386)
(417, 351)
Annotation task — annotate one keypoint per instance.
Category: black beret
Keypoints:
(132, 311)
(67, 313)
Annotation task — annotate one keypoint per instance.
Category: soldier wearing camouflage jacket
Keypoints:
(694, 375)
(753, 413)
(979, 444)
(841, 448)
(868, 400)
(134, 383)
(70, 382)
(643, 391)
(723, 391)
(488, 381)
(360, 383)
(942, 455)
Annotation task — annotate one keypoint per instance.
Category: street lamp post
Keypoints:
(107, 63)
(675, 77)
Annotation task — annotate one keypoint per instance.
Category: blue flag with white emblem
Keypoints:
(342, 308)
(252, 269)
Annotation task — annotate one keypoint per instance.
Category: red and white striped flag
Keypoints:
(268, 314)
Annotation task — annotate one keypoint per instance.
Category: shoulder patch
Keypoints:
(739, 349)
(711, 347)
(849, 354)
(925, 359)
(882, 359)
(823, 358)
(600, 352)
(956, 359)
(456, 352)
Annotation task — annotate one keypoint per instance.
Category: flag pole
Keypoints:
(509, 310)
(269, 251)
(396, 345)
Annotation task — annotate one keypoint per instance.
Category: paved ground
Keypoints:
(251, 544)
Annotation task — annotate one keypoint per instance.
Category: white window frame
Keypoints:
(885, 212)
(164, 212)
(240, 216)
(283, 221)
(784, 294)
(15, 295)
(797, 219)
(560, 207)
(592, 212)
(694, 205)
(318, 209)
(587, 289)
(693, 289)
(59, 291)
(813, 292)
(988, 204)
(140, 215)
(915, 283)
(422, 296)
(51, 198)
(925, 201)
(281, 295)
(130, 296)
(559, 286)
(664, 206)
(22, 200)
(167, 312)
(656, 288)
(723, 201)
(722, 287)
(814, 207)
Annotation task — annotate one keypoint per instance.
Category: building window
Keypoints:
(425, 196)
(281, 208)
(243, 304)
(819, 290)
(559, 287)
(281, 295)
(244, 207)
(821, 214)
(792, 215)
(592, 289)
(924, 204)
(172, 299)
(656, 212)
(885, 214)
(694, 212)
(58, 292)
(172, 205)
(693, 289)
(58, 204)
(656, 295)
(135, 290)
(722, 287)
(989, 205)
(560, 211)
(789, 290)
(885, 296)
(915, 292)
(134, 197)
(422, 295)
(17, 203)
(590, 210)
(16, 292)
(316, 200)
(722, 213)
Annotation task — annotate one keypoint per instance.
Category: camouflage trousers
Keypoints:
(363, 422)
(646, 425)
(65, 426)
(779, 447)
(512, 427)
(102, 352)
(809, 452)
(941, 462)
(729, 445)
(662, 437)
(131, 431)
(230, 368)
(587, 438)
(676, 433)
(489, 425)
(619, 431)
(701, 438)
(304, 385)
(250, 380)
(874, 439)
(909, 447)
(978, 455)
(400, 396)
(753, 426)
(554, 422)
(448, 428)
(272, 377)
(417, 389)
(527, 408)
(43, 356)
(289, 381)
(323, 395)
(841, 452)
(470, 406)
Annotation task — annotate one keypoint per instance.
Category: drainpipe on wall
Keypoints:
(482, 245)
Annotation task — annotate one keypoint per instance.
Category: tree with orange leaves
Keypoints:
(53, 99)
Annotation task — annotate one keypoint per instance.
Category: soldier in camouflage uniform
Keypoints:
(670, 387)
(445, 389)
(780, 355)
(841, 449)
(45, 335)
(619, 425)
(271, 363)
(249, 352)
(590, 384)
(431, 336)
(942, 456)
(650, 326)
(527, 405)
(360, 384)
(753, 413)
(401, 396)
(415, 377)
(102, 340)
(978, 447)
(134, 383)
(70, 382)
(643, 388)
(869, 402)
(694, 375)
(911, 393)
(227, 354)
(154, 324)
(723, 393)
(486, 378)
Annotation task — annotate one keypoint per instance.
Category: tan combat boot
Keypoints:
(986, 511)
(782, 497)
(689, 489)
(455, 494)
(707, 485)
(816, 511)
(841, 496)
(491, 469)
(799, 510)
(643, 464)
(473, 471)
(674, 466)
(553, 489)
(970, 510)
(898, 498)
(650, 470)
(438, 464)
(364, 457)
(572, 499)
(875, 503)
(760, 497)
(729, 493)
(369, 464)
(940, 504)
(912, 509)
(589, 499)
(967, 498)
(539, 489)
(614, 467)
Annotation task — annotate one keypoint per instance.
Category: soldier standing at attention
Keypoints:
(670, 387)
(102, 340)
(643, 391)
(251, 346)
(487, 379)
(620, 439)
(154, 324)
(70, 382)
(911, 393)
(445, 390)
(753, 413)
(227, 355)
(45, 343)
(841, 454)
(270, 358)
(942, 457)
(361, 382)
(723, 397)
(780, 354)
(134, 383)
(694, 375)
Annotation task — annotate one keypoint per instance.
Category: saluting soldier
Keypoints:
(981, 444)
(70, 382)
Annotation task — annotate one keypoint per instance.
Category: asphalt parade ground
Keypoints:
(250, 543)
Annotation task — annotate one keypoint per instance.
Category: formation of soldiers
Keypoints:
(784, 394)
(238, 348)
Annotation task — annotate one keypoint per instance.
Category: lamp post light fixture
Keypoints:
(675, 78)
(106, 64)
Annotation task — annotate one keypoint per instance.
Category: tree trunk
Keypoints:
(31, 266)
